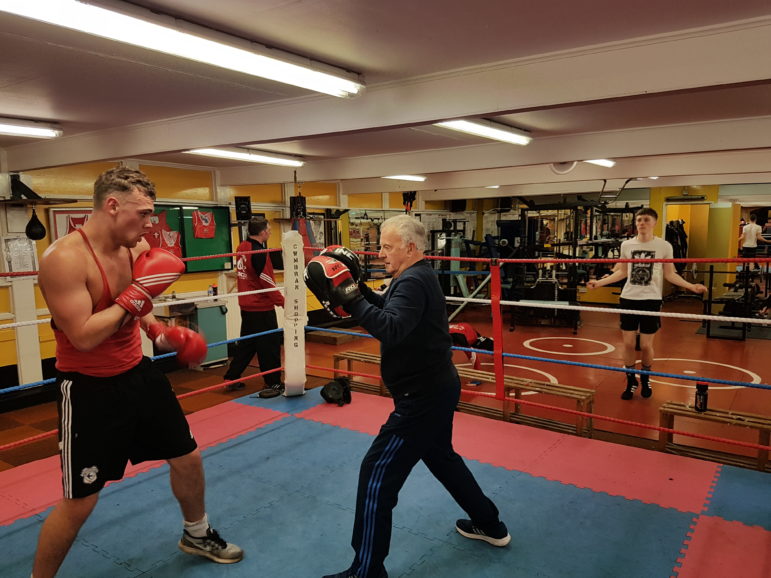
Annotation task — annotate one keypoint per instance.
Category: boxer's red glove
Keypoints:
(332, 284)
(189, 345)
(154, 271)
(347, 258)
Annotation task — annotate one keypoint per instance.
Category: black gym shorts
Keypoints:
(645, 323)
(105, 422)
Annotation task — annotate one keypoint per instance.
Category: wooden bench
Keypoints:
(514, 387)
(669, 410)
(349, 357)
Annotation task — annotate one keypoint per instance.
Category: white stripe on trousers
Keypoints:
(66, 449)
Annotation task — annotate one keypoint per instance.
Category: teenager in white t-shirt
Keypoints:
(643, 291)
(752, 234)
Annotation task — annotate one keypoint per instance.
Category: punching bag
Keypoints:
(35, 229)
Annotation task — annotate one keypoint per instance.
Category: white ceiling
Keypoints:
(679, 90)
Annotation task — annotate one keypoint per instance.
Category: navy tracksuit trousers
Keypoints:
(419, 428)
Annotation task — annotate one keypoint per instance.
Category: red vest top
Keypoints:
(250, 280)
(116, 354)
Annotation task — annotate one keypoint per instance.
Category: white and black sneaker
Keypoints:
(272, 391)
(211, 546)
(498, 536)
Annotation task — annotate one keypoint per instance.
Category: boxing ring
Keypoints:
(281, 476)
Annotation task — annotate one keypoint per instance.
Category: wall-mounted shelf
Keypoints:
(37, 202)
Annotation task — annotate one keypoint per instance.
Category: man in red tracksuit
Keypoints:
(258, 314)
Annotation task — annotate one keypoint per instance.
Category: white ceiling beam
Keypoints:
(673, 170)
(754, 133)
(727, 188)
(710, 56)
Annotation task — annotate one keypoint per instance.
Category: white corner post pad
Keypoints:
(295, 313)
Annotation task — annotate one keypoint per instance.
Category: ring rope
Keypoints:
(50, 433)
(751, 445)
(168, 302)
(513, 400)
(491, 261)
(692, 316)
(33, 384)
(576, 363)
(201, 258)
(576, 412)
(355, 373)
(538, 261)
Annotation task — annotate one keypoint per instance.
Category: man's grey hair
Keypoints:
(409, 229)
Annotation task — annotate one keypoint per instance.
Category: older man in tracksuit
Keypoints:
(410, 320)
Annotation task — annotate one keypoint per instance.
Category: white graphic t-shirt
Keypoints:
(645, 280)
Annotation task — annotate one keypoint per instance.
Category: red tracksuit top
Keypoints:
(251, 280)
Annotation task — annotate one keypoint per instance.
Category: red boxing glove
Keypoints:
(190, 346)
(154, 271)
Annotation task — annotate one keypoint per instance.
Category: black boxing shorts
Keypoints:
(105, 422)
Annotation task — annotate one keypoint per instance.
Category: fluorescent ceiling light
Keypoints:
(602, 163)
(653, 178)
(15, 127)
(487, 129)
(417, 178)
(141, 31)
(493, 187)
(249, 155)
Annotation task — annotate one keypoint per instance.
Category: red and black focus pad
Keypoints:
(332, 284)
(463, 334)
(347, 258)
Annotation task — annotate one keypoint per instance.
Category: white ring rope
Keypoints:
(546, 305)
(166, 302)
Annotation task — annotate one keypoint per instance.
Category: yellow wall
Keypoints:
(182, 184)
(366, 201)
(696, 225)
(395, 201)
(723, 242)
(435, 205)
(658, 197)
(319, 194)
(71, 180)
(269, 194)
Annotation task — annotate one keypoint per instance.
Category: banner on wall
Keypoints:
(65, 221)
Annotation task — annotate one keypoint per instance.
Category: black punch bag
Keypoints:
(35, 229)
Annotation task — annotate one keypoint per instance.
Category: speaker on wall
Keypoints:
(243, 208)
(457, 205)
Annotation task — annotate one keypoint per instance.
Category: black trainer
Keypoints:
(498, 536)
(237, 386)
(631, 387)
(211, 546)
(645, 386)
